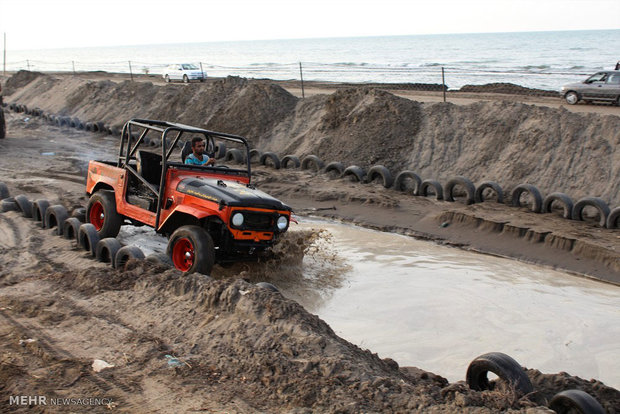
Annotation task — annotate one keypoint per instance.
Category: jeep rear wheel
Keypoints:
(101, 213)
(191, 250)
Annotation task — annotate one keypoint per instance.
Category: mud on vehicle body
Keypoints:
(211, 214)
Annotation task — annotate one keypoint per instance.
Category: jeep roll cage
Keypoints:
(129, 146)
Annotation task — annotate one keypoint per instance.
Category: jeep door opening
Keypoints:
(210, 214)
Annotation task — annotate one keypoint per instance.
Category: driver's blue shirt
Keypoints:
(191, 159)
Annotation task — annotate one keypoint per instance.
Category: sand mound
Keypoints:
(510, 143)
(509, 88)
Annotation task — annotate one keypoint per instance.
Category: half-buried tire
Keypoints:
(235, 155)
(497, 189)
(125, 254)
(613, 219)
(534, 194)
(334, 169)
(71, 228)
(313, 160)
(598, 203)
(88, 238)
(290, 161)
(561, 198)
(402, 180)
(106, 249)
(465, 184)
(377, 171)
(506, 368)
(575, 401)
(4, 191)
(8, 204)
(268, 286)
(39, 207)
(270, 159)
(354, 173)
(426, 184)
(24, 205)
(55, 216)
(191, 250)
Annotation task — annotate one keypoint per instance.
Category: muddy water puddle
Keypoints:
(437, 307)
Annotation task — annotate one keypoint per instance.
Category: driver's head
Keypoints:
(198, 146)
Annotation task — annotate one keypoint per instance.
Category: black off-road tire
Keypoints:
(8, 204)
(399, 182)
(25, 205)
(497, 189)
(126, 253)
(106, 249)
(39, 207)
(4, 191)
(596, 202)
(314, 160)
(534, 193)
(99, 126)
(191, 250)
(235, 155)
(380, 171)
(55, 216)
(570, 400)
(613, 219)
(185, 79)
(103, 202)
(426, 184)
(275, 161)
(79, 213)
(501, 365)
(290, 159)
(220, 150)
(354, 173)
(2, 125)
(88, 237)
(467, 185)
(565, 200)
(334, 169)
(71, 228)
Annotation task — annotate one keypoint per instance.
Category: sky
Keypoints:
(46, 24)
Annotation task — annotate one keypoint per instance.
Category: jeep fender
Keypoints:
(183, 215)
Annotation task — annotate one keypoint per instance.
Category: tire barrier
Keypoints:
(39, 207)
(4, 191)
(561, 198)
(275, 161)
(334, 169)
(88, 238)
(55, 216)
(107, 249)
(79, 213)
(377, 171)
(506, 368)
(268, 286)
(98, 126)
(595, 202)
(8, 204)
(532, 191)
(426, 184)
(613, 219)
(312, 160)
(463, 182)
(255, 155)
(400, 183)
(571, 401)
(497, 189)
(235, 155)
(64, 121)
(354, 173)
(71, 228)
(24, 205)
(125, 254)
(73, 123)
(296, 163)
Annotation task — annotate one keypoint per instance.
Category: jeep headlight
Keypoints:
(237, 219)
(282, 223)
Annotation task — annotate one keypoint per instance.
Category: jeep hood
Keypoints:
(231, 193)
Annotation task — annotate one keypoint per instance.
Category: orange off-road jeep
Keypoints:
(211, 214)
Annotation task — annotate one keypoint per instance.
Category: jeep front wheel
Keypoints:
(101, 213)
(191, 250)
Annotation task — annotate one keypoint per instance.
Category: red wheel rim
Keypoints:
(183, 254)
(97, 215)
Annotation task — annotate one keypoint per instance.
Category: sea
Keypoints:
(543, 60)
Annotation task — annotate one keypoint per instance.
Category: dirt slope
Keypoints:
(507, 142)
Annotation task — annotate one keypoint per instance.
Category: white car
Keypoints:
(184, 72)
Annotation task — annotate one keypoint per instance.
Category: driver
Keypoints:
(198, 156)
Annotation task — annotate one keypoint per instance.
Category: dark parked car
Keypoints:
(602, 86)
